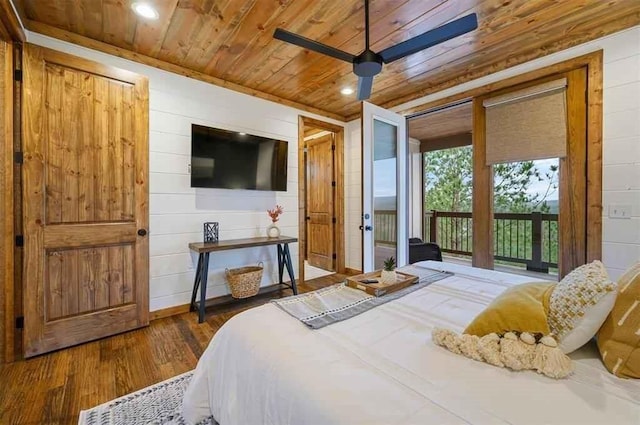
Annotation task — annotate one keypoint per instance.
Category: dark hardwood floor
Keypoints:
(53, 388)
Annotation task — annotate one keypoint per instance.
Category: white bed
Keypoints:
(265, 367)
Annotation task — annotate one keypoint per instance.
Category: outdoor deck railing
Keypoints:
(530, 239)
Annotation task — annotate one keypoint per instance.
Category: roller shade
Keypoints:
(448, 142)
(527, 124)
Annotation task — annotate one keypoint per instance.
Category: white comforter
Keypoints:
(265, 367)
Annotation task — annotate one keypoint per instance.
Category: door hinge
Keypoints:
(334, 220)
(20, 322)
(334, 256)
(19, 240)
(333, 147)
(333, 184)
(18, 157)
(17, 75)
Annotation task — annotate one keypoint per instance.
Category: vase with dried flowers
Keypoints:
(273, 231)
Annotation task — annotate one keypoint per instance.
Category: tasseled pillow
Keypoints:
(521, 352)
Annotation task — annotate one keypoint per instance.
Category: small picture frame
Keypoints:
(211, 231)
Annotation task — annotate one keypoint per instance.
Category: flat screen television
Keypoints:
(231, 160)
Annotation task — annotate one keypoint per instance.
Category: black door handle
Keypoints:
(368, 228)
(360, 227)
(142, 232)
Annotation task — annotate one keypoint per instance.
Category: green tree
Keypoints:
(448, 179)
(449, 184)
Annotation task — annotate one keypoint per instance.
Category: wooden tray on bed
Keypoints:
(378, 289)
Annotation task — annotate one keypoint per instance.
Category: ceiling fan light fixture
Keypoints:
(145, 10)
(368, 64)
(347, 91)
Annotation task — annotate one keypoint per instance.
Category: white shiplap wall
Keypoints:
(621, 145)
(177, 211)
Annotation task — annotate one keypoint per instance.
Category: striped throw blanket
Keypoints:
(339, 302)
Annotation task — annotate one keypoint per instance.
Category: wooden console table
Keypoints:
(204, 249)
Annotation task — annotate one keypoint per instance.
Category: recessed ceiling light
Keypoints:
(347, 91)
(242, 134)
(145, 10)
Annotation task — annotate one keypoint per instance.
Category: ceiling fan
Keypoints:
(368, 64)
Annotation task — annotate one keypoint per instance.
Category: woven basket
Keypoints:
(244, 282)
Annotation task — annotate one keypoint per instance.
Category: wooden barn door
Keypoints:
(85, 198)
(320, 202)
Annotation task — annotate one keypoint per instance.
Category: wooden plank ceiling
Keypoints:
(447, 122)
(229, 42)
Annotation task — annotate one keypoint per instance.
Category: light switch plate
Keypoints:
(620, 211)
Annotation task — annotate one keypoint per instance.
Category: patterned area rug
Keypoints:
(159, 404)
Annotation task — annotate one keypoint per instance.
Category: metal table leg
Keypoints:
(280, 264)
(286, 259)
(196, 283)
(203, 287)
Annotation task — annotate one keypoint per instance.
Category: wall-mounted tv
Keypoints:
(231, 160)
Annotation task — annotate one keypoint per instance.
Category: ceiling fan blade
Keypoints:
(430, 38)
(307, 43)
(364, 87)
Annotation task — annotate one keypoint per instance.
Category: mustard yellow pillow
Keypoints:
(619, 336)
(521, 308)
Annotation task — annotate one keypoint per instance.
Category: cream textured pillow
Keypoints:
(579, 305)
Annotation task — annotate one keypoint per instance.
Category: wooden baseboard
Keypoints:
(216, 301)
(351, 272)
(168, 312)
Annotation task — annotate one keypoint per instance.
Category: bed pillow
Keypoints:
(579, 305)
(619, 336)
(520, 308)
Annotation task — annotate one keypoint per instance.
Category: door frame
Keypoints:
(11, 33)
(593, 62)
(573, 167)
(338, 206)
(7, 241)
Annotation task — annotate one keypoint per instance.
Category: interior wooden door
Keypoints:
(320, 202)
(85, 200)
